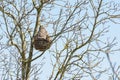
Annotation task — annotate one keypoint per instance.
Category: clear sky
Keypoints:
(114, 31)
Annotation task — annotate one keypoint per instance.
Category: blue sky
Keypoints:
(114, 31)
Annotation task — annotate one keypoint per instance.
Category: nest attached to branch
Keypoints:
(42, 40)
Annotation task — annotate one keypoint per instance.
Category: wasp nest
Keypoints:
(42, 40)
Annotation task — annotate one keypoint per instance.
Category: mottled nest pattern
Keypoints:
(42, 40)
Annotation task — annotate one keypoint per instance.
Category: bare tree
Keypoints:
(77, 29)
